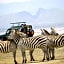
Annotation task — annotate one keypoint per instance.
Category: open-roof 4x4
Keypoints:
(22, 26)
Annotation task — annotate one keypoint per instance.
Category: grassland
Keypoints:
(7, 58)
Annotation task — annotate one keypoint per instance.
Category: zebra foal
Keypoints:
(31, 43)
(9, 46)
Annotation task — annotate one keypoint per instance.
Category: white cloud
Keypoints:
(10, 1)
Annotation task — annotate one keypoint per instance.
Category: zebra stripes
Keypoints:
(51, 35)
(58, 40)
(8, 46)
(4, 46)
(31, 43)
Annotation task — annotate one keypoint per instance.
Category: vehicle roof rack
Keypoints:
(17, 22)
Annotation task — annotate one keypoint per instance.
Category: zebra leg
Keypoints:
(50, 53)
(43, 58)
(53, 55)
(31, 56)
(45, 54)
(14, 56)
(24, 56)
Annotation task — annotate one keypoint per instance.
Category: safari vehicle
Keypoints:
(4, 36)
(22, 26)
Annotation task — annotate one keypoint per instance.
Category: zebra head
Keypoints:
(53, 32)
(44, 32)
(16, 33)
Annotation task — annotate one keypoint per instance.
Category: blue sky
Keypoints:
(31, 6)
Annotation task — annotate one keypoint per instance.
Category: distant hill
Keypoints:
(42, 17)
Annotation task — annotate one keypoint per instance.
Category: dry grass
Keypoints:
(38, 55)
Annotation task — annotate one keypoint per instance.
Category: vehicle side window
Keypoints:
(8, 31)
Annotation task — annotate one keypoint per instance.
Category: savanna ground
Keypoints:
(7, 58)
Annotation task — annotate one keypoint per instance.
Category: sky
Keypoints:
(10, 1)
(31, 6)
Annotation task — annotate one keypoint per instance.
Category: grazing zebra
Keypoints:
(9, 46)
(31, 43)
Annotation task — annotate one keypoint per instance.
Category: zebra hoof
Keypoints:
(24, 61)
(16, 62)
(47, 59)
(32, 59)
(52, 58)
(43, 60)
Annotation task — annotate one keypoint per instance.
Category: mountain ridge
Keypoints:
(43, 16)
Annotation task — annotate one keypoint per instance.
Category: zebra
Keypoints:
(58, 41)
(9, 46)
(31, 43)
(51, 50)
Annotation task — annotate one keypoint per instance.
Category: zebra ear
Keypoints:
(41, 30)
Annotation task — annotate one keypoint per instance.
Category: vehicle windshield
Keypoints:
(29, 28)
(8, 31)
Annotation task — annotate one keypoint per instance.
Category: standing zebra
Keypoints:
(52, 34)
(9, 46)
(46, 33)
(31, 43)
(58, 40)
